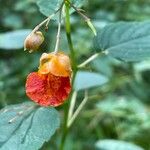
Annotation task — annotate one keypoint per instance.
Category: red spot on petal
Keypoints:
(47, 90)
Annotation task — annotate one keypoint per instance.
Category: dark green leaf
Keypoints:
(121, 105)
(125, 41)
(116, 145)
(13, 39)
(48, 7)
(103, 65)
(85, 80)
(26, 126)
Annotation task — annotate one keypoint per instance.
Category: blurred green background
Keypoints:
(118, 110)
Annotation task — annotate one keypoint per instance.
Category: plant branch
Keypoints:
(74, 68)
(72, 104)
(87, 19)
(78, 110)
(89, 60)
(58, 32)
(68, 34)
(78, 11)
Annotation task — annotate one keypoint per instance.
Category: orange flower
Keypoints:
(57, 64)
(50, 86)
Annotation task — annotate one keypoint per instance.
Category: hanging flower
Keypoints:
(57, 64)
(50, 86)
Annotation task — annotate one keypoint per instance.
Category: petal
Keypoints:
(47, 90)
(56, 64)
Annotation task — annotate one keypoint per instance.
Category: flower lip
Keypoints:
(57, 64)
(47, 90)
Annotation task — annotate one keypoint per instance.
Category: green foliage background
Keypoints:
(117, 110)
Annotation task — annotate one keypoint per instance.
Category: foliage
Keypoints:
(113, 145)
(125, 41)
(86, 80)
(26, 126)
(14, 38)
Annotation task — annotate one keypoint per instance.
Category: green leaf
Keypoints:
(26, 126)
(13, 39)
(103, 65)
(116, 145)
(48, 7)
(125, 41)
(121, 106)
(85, 80)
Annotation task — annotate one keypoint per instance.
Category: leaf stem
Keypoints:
(78, 11)
(72, 104)
(58, 32)
(74, 68)
(78, 110)
(87, 19)
(68, 34)
(89, 60)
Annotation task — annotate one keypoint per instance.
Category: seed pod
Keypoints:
(33, 41)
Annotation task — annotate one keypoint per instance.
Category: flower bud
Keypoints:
(33, 41)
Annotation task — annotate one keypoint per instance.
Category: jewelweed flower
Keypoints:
(57, 64)
(50, 86)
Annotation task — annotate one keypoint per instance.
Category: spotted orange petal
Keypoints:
(47, 90)
(57, 64)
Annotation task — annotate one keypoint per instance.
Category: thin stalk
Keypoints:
(58, 32)
(89, 60)
(78, 11)
(42, 23)
(78, 110)
(72, 104)
(74, 68)
(87, 19)
(68, 34)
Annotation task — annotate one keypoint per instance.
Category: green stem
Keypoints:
(74, 68)
(68, 34)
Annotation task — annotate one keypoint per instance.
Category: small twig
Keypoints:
(87, 19)
(74, 116)
(42, 23)
(48, 20)
(81, 10)
(89, 60)
(58, 32)
(72, 104)
(78, 11)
